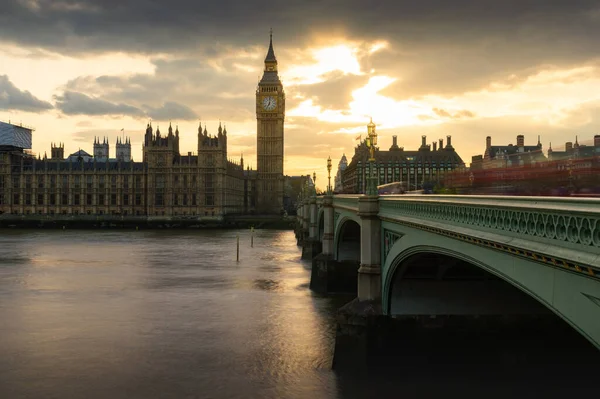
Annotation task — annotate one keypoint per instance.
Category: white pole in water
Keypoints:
(237, 259)
(252, 237)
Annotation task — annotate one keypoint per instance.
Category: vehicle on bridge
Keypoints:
(400, 188)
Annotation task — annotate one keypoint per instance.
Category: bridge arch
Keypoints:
(568, 295)
(347, 240)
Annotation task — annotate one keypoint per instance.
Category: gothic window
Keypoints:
(89, 182)
(113, 199)
(125, 199)
(40, 199)
(160, 182)
(64, 181)
(27, 199)
(210, 201)
(16, 182)
(77, 182)
(40, 181)
(138, 199)
(76, 199)
(64, 199)
(101, 182)
(88, 199)
(101, 199)
(113, 182)
(52, 199)
(15, 199)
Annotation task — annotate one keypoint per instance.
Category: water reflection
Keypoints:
(171, 314)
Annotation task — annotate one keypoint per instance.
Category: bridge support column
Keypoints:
(369, 273)
(360, 323)
(305, 219)
(312, 246)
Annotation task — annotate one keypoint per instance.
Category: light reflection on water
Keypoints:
(167, 314)
(160, 314)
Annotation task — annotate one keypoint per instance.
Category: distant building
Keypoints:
(524, 170)
(575, 150)
(292, 190)
(511, 155)
(429, 164)
(165, 182)
(80, 156)
(342, 165)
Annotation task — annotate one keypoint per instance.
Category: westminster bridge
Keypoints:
(428, 256)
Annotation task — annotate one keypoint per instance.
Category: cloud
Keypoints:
(11, 98)
(335, 92)
(437, 44)
(456, 115)
(75, 103)
(170, 110)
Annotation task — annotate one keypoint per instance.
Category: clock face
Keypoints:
(269, 103)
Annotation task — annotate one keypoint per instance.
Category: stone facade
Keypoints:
(270, 114)
(413, 169)
(166, 183)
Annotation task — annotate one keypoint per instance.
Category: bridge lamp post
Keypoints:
(329, 175)
(371, 142)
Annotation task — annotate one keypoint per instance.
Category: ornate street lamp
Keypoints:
(329, 175)
(371, 142)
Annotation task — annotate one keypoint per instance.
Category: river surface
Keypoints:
(167, 314)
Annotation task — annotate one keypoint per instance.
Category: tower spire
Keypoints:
(270, 54)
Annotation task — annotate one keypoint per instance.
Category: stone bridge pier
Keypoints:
(311, 246)
(431, 270)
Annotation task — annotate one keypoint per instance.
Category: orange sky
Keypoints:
(334, 78)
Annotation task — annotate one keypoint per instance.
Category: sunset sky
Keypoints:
(76, 69)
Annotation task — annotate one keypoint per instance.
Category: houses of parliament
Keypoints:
(166, 182)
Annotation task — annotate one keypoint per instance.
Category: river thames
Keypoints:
(171, 314)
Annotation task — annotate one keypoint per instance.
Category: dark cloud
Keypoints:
(224, 92)
(11, 98)
(75, 103)
(436, 46)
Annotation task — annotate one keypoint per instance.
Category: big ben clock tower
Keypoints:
(270, 113)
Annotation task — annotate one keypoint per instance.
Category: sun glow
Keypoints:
(341, 58)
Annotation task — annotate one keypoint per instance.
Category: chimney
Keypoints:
(488, 142)
(448, 141)
(394, 141)
(597, 140)
(441, 144)
(423, 140)
(434, 146)
(569, 146)
(520, 140)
